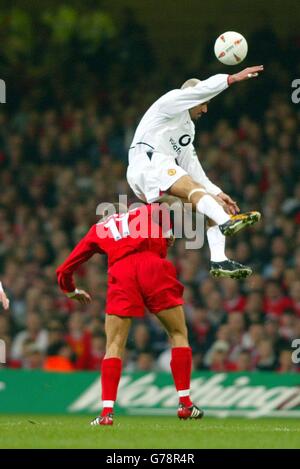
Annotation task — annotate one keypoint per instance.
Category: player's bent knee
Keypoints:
(184, 186)
(210, 223)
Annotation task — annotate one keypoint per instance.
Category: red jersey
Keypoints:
(143, 229)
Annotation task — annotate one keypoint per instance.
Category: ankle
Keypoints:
(185, 400)
(106, 410)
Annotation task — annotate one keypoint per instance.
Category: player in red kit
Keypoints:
(139, 277)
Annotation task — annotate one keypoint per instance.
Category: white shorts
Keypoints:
(149, 177)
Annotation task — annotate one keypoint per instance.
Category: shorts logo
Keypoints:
(171, 172)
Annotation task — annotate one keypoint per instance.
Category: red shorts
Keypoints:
(142, 280)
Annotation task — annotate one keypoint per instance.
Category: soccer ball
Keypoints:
(231, 48)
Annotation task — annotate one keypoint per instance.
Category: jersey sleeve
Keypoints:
(190, 163)
(177, 101)
(84, 250)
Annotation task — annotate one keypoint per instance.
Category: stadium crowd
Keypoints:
(61, 158)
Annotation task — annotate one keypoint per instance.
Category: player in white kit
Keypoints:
(162, 160)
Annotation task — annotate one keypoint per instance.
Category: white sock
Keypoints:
(184, 393)
(108, 404)
(210, 207)
(216, 241)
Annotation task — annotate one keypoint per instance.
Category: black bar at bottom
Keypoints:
(149, 457)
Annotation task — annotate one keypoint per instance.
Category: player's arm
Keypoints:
(249, 72)
(177, 101)
(84, 250)
(190, 163)
(3, 298)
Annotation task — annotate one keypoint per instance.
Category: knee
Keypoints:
(184, 186)
(210, 223)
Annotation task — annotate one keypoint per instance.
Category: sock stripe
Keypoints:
(184, 392)
(108, 403)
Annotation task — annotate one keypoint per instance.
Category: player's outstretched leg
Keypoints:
(181, 361)
(206, 204)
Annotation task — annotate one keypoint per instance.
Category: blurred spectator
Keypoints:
(252, 338)
(216, 313)
(163, 361)
(92, 358)
(34, 333)
(233, 300)
(285, 362)
(295, 296)
(140, 342)
(266, 359)
(55, 332)
(243, 362)
(145, 362)
(275, 301)
(78, 338)
(201, 329)
(60, 358)
(33, 358)
(254, 307)
(216, 358)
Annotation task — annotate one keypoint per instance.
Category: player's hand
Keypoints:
(171, 241)
(249, 72)
(230, 204)
(4, 300)
(83, 297)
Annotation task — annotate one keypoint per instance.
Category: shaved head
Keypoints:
(190, 83)
(199, 109)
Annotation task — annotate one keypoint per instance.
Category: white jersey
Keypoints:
(166, 133)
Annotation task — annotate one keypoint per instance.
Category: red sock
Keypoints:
(111, 369)
(181, 366)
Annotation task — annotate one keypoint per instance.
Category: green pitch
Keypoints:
(41, 431)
